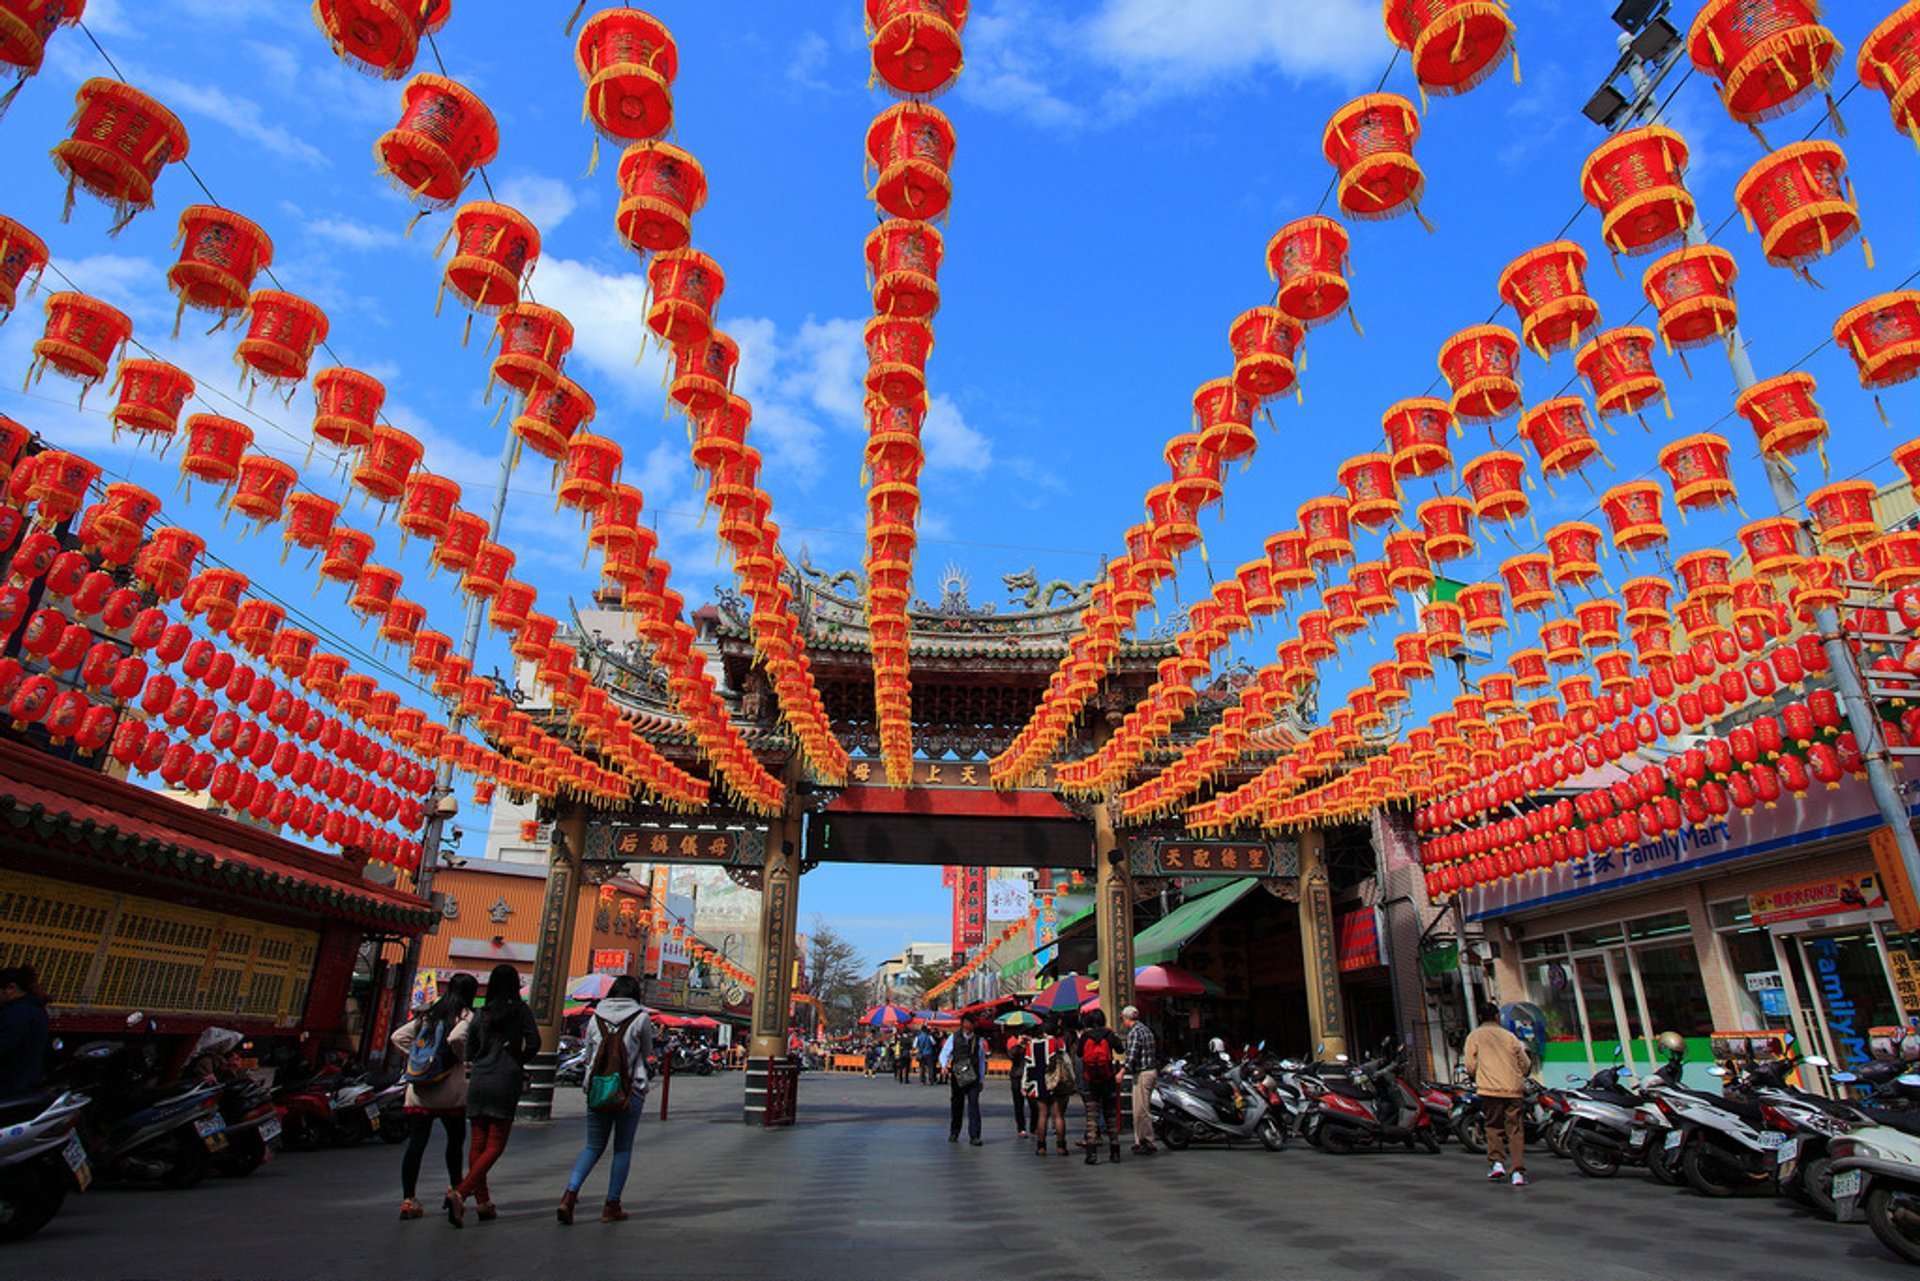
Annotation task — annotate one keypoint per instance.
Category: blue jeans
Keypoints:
(619, 1126)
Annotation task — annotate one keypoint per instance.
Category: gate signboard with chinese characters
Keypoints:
(649, 843)
(1161, 854)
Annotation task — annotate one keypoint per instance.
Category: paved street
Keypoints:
(868, 1186)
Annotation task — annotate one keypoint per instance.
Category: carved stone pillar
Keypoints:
(547, 996)
(1322, 961)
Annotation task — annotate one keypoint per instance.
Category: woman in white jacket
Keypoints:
(619, 1014)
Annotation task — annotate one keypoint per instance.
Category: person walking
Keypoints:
(925, 1049)
(500, 1040)
(619, 1042)
(964, 1059)
(1051, 1055)
(435, 1046)
(903, 1058)
(1499, 1062)
(24, 1032)
(1100, 1057)
(1141, 1069)
(1026, 1107)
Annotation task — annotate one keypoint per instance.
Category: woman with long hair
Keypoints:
(436, 1084)
(621, 1019)
(1050, 1065)
(502, 1038)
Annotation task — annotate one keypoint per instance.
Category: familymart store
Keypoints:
(1778, 921)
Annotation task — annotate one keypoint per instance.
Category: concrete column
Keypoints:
(1321, 960)
(1113, 915)
(773, 984)
(559, 913)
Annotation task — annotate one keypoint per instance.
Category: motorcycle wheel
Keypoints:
(1708, 1172)
(1894, 1215)
(1271, 1135)
(1662, 1165)
(1429, 1140)
(29, 1198)
(1335, 1139)
(1593, 1160)
(1176, 1133)
(190, 1162)
(1816, 1184)
(1472, 1133)
(705, 1069)
(243, 1155)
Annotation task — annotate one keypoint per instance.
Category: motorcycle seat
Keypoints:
(1904, 1120)
(1618, 1098)
(1349, 1089)
(24, 1107)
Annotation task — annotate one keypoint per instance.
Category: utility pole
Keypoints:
(1786, 494)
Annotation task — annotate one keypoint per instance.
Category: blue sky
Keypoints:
(1121, 166)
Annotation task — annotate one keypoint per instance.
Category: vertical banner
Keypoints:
(974, 925)
(1893, 879)
(657, 898)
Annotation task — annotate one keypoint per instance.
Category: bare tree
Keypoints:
(836, 974)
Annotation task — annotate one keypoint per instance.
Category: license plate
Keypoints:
(75, 1155)
(1771, 1139)
(269, 1129)
(1637, 1137)
(208, 1126)
(1788, 1151)
(1846, 1184)
(373, 1116)
(1673, 1139)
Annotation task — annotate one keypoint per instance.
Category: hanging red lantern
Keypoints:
(1224, 419)
(1772, 544)
(385, 464)
(1799, 201)
(1784, 417)
(1635, 180)
(59, 485)
(551, 415)
(1528, 579)
(1326, 523)
(1765, 56)
(1547, 288)
(346, 404)
(215, 593)
(1372, 493)
(1264, 341)
(427, 505)
(1480, 609)
(166, 562)
(1696, 466)
(151, 395)
(1443, 625)
(1407, 566)
(1370, 142)
(1819, 582)
(1575, 550)
(1692, 288)
(1494, 481)
(1633, 511)
(1890, 62)
(345, 555)
(1480, 365)
(220, 254)
(1881, 334)
(282, 332)
(121, 140)
(1706, 574)
(1561, 637)
(214, 448)
(1307, 258)
(1559, 433)
(1447, 526)
(616, 520)
(1697, 619)
(261, 488)
(910, 151)
(628, 61)
(254, 625)
(374, 590)
(1618, 365)
(80, 340)
(1455, 44)
(703, 376)
(592, 467)
(495, 249)
(1893, 560)
(903, 267)
(126, 509)
(1286, 556)
(445, 133)
(22, 253)
(534, 342)
(1417, 434)
(1843, 514)
(1195, 469)
(379, 37)
(309, 520)
(897, 352)
(492, 563)
(459, 543)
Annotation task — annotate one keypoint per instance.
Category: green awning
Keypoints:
(1161, 942)
(1017, 966)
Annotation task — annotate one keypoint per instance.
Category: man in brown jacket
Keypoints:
(1499, 1063)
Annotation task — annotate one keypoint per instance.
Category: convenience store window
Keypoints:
(1617, 982)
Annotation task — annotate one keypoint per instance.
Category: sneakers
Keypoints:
(412, 1209)
(1520, 1179)
(954, 1137)
(973, 1142)
(1496, 1172)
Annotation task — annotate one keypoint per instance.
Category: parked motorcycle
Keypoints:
(1374, 1109)
(246, 1106)
(140, 1133)
(1875, 1173)
(1724, 1142)
(41, 1157)
(1201, 1105)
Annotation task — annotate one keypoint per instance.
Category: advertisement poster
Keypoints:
(1009, 900)
(673, 951)
(1816, 898)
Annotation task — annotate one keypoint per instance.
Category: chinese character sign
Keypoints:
(1213, 858)
(1009, 900)
(674, 845)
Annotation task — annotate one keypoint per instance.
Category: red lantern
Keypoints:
(1308, 260)
(282, 332)
(1575, 551)
(1784, 417)
(1547, 287)
(628, 61)
(1224, 419)
(492, 563)
(220, 254)
(166, 562)
(1417, 434)
(255, 623)
(1800, 202)
(346, 554)
(121, 141)
(1890, 62)
(1881, 334)
(494, 252)
(1819, 582)
(1893, 560)
(1633, 511)
(445, 133)
(1480, 365)
(428, 504)
(21, 252)
(1772, 544)
(152, 394)
(214, 449)
(1692, 288)
(379, 37)
(897, 353)
(1480, 609)
(1326, 522)
(593, 464)
(1558, 431)
(1407, 567)
(261, 488)
(1447, 526)
(903, 265)
(345, 404)
(1696, 466)
(910, 149)
(1373, 495)
(1264, 341)
(1370, 142)
(1765, 56)
(1635, 180)
(1443, 623)
(1494, 481)
(1618, 365)
(1455, 44)
(1562, 640)
(1196, 470)
(80, 340)
(309, 520)
(388, 460)
(1528, 580)
(1843, 513)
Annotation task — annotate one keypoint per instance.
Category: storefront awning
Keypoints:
(1161, 942)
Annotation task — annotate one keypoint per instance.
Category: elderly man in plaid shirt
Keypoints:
(1142, 1065)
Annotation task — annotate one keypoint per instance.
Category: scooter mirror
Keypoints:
(1842, 1078)
(1716, 1070)
(1907, 1079)
(1626, 1071)
(1786, 1039)
(1816, 1060)
(1619, 1051)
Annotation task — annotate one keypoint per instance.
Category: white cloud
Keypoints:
(609, 315)
(547, 201)
(351, 234)
(809, 60)
(951, 445)
(242, 115)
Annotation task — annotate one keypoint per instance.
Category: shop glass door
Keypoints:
(1845, 982)
(1602, 1013)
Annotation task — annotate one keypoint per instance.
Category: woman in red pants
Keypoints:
(499, 1043)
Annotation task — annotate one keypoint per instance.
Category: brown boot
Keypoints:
(1113, 1152)
(567, 1201)
(612, 1213)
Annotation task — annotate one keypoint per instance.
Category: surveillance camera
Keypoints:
(447, 806)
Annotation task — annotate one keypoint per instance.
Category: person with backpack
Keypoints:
(435, 1046)
(1055, 1071)
(619, 1042)
(500, 1040)
(1026, 1107)
(1100, 1052)
(964, 1059)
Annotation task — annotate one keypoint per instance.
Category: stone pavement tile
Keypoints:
(868, 1187)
